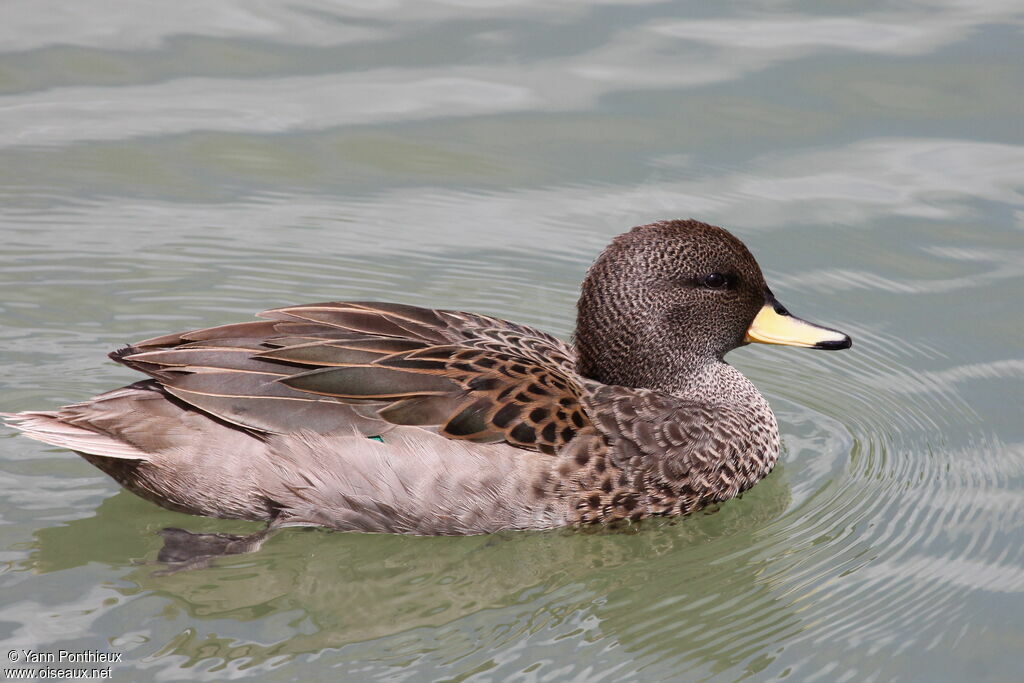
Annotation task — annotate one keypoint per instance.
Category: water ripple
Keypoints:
(164, 173)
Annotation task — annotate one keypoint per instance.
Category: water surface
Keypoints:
(172, 167)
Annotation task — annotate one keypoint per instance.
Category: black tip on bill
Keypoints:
(836, 345)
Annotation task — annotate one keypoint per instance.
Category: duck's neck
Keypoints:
(631, 354)
(712, 380)
(718, 382)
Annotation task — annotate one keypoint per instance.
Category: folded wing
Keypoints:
(340, 366)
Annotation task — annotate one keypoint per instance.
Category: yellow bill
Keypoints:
(774, 325)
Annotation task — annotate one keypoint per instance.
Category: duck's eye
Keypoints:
(714, 281)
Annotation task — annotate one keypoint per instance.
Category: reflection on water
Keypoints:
(164, 172)
(346, 589)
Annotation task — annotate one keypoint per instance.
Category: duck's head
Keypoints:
(664, 300)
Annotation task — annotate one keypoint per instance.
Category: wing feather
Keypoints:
(321, 366)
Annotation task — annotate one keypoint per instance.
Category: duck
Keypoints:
(390, 418)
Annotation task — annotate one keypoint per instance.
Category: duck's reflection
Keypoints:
(663, 588)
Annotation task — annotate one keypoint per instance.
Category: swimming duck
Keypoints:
(382, 417)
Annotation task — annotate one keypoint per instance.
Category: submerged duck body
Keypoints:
(481, 424)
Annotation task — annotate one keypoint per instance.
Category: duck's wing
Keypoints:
(330, 366)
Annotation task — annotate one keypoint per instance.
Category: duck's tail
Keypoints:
(57, 429)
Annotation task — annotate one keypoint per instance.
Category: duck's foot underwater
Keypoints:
(185, 550)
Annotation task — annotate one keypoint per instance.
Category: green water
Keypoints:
(173, 166)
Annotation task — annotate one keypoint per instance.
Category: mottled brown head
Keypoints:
(665, 299)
